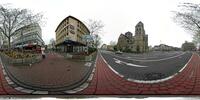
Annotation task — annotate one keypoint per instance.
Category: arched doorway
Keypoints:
(138, 48)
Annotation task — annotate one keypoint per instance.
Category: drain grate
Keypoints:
(154, 76)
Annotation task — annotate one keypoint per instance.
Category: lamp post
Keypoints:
(22, 41)
(22, 44)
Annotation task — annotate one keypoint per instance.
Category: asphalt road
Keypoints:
(148, 56)
(161, 66)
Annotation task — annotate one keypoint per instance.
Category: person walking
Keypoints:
(43, 53)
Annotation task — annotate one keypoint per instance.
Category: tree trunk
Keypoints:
(8, 43)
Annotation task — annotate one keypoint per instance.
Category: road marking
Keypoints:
(129, 64)
(149, 60)
(143, 81)
(185, 65)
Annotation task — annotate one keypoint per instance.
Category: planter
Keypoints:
(90, 57)
(23, 61)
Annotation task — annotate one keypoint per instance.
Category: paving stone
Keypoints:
(26, 90)
(40, 92)
(148, 92)
(19, 88)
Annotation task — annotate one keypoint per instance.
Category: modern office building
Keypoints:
(70, 35)
(28, 37)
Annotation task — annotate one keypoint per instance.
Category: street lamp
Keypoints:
(22, 44)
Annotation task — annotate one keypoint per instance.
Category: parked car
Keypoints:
(118, 52)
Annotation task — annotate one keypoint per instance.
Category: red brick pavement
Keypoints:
(52, 72)
(57, 68)
(5, 88)
(105, 81)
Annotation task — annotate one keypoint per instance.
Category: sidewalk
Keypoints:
(105, 81)
(51, 73)
(5, 88)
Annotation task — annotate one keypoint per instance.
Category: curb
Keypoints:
(86, 84)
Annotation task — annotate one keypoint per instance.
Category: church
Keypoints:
(137, 43)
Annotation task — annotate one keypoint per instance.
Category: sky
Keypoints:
(118, 16)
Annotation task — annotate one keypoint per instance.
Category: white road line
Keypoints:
(143, 81)
(148, 60)
(129, 64)
(185, 65)
(111, 67)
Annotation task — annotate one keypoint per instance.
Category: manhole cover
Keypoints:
(154, 76)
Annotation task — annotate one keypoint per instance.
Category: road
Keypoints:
(136, 67)
(106, 81)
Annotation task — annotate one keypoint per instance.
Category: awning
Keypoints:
(71, 43)
(25, 45)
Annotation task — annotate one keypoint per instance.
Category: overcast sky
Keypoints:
(118, 16)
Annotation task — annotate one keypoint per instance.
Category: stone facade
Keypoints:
(70, 35)
(138, 43)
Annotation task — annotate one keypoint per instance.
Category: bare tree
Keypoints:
(189, 18)
(196, 38)
(113, 43)
(12, 19)
(95, 28)
(53, 43)
(98, 41)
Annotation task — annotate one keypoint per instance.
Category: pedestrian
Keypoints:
(43, 53)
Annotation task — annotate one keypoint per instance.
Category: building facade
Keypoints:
(29, 36)
(164, 47)
(188, 46)
(70, 35)
(137, 43)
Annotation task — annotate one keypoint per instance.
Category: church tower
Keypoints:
(141, 39)
(139, 29)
